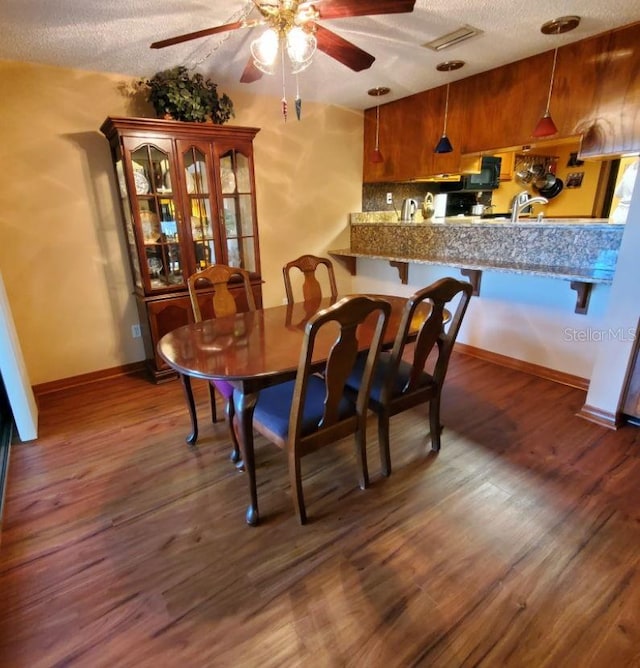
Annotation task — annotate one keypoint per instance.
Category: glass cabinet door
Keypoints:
(199, 202)
(129, 223)
(239, 228)
(155, 206)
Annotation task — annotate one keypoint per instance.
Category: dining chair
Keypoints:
(311, 287)
(214, 281)
(312, 411)
(408, 376)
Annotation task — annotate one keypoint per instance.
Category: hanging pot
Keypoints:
(545, 181)
(554, 190)
(523, 175)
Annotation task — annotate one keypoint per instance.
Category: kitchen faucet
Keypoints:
(521, 201)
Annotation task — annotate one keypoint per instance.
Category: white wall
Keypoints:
(529, 318)
(622, 316)
(14, 373)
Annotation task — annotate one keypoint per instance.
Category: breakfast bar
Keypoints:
(582, 251)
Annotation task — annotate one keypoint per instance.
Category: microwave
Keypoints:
(487, 179)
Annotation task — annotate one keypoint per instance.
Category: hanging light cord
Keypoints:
(446, 111)
(553, 73)
(377, 124)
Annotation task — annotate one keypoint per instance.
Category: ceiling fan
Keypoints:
(294, 23)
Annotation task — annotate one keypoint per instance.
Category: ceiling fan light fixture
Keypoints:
(301, 45)
(265, 50)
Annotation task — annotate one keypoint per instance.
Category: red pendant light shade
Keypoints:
(545, 126)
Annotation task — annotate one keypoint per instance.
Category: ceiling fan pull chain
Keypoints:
(284, 92)
(298, 100)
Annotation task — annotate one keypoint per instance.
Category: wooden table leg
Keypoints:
(188, 393)
(245, 403)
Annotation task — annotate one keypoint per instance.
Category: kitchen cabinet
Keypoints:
(507, 163)
(596, 96)
(409, 131)
(608, 82)
(503, 105)
(187, 194)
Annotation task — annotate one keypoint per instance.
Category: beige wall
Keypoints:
(61, 246)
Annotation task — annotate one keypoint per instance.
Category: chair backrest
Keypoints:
(347, 327)
(432, 332)
(218, 277)
(311, 288)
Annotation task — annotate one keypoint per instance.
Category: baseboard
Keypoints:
(93, 377)
(525, 367)
(597, 415)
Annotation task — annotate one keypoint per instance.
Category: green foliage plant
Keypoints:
(177, 94)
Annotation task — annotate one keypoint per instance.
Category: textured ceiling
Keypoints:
(114, 36)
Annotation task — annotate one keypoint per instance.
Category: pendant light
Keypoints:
(444, 145)
(376, 154)
(545, 126)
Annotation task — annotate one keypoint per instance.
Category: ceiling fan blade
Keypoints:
(251, 72)
(202, 33)
(343, 51)
(339, 9)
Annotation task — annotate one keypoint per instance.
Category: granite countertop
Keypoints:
(391, 218)
(575, 249)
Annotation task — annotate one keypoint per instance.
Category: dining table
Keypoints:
(253, 350)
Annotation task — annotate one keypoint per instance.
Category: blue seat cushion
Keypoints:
(274, 407)
(380, 376)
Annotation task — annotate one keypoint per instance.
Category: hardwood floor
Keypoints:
(518, 545)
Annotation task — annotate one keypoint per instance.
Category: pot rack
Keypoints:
(526, 160)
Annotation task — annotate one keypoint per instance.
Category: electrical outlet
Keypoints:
(389, 198)
(136, 333)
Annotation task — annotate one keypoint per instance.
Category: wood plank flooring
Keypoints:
(517, 545)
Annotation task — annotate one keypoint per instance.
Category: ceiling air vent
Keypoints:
(452, 38)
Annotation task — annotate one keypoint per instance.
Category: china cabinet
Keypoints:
(187, 194)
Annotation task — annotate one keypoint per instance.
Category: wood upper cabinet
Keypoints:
(503, 105)
(409, 131)
(596, 95)
(187, 194)
(604, 73)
